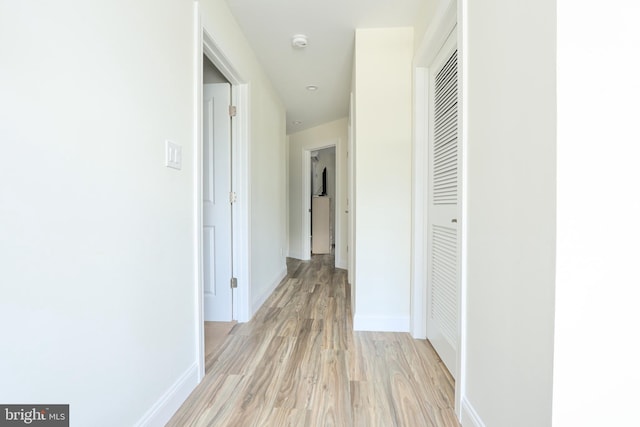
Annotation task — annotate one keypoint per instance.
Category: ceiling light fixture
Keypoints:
(299, 41)
(312, 88)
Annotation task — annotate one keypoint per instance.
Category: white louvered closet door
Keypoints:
(443, 242)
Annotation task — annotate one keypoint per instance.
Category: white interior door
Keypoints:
(216, 173)
(443, 230)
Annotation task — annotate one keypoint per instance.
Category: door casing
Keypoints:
(241, 216)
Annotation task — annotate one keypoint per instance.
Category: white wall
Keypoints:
(97, 249)
(382, 121)
(319, 136)
(425, 17)
(509, 55)
(267, 154)
(596, 372)
(97, 296)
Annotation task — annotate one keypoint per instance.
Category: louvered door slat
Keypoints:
(446, 136)
(447, 174)
(447, 103)
(445, 157)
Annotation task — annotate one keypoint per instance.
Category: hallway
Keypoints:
(298, 363)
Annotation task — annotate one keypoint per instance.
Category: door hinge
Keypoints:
(232, 111)
(233, 197)
(234, 282)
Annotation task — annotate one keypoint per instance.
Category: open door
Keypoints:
(216, 232)
(443, 226)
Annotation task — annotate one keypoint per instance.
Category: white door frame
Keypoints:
(444, 23)
(241, 215)
(306, 198)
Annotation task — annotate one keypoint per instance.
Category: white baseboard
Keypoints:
(294, 255)
(162, 411)
(470, 417)
(381, 323)
(342, 263)
(272, 286)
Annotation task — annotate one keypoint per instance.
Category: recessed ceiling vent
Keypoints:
(299, 41)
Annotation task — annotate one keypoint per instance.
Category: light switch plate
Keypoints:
(173, 155)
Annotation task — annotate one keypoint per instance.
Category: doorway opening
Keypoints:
(320, 201)
(323, 201)
(217, 233)
(220, 72)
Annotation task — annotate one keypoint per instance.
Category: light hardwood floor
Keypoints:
(215, 334)
(299, 363)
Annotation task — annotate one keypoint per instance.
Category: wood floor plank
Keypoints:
(287, 417)
(294, 388)
(214, 335)
(362, 414)
(331, 404)
(299, 363)
(257, 397)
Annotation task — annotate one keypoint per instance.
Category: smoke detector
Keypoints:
(299, 41)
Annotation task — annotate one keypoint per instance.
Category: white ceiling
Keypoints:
(329, 25)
